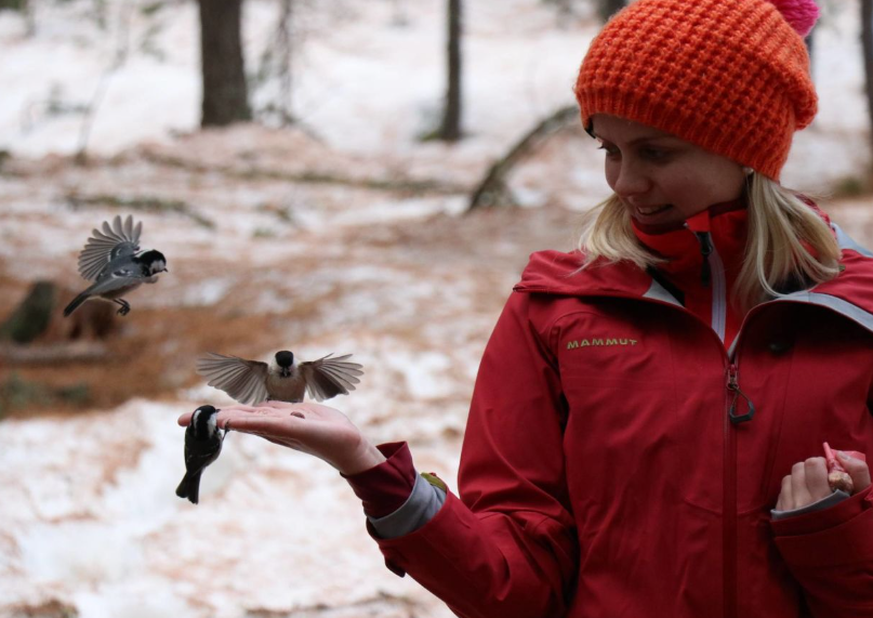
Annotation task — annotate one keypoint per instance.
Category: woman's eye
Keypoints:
(653, 154)
(610, 151)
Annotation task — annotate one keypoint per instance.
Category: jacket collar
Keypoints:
(554, 272)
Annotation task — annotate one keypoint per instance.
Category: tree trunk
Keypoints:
(285, 51)
(451, 125)
(225, 96)
(493, 190)
(15, 5)
(867, 46)
(608, 8)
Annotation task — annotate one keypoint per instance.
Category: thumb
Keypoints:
(857, 469)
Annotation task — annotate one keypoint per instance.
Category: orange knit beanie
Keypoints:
(731, 76)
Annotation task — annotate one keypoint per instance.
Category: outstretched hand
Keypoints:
(808, 481)
(311, 428)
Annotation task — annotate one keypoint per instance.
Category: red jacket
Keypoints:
(602, 475)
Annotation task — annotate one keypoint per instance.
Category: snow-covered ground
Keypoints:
(261, 259)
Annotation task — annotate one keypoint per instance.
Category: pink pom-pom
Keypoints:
(801, 14)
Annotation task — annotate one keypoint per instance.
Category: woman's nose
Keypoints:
(631, 180)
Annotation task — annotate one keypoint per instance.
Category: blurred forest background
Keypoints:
(330, 176)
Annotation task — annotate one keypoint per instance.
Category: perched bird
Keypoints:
(283, 379)
(113, 261)
(203, 441)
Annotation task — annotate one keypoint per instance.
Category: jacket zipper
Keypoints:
(729, 539)
(730, 549)
(729, 532)
(712, 273)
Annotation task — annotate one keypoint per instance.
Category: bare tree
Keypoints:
(285, 52)
(608, 8)
(450, 130)
(25, 7)
(225, 95)
(867, 46)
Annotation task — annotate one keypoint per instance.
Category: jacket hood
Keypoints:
(556, 272)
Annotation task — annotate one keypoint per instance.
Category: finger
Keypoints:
(185, 419)
(281, 427)
(247, 411)
(239, 407)
(785, 501)
(857, 469)
(799, 490)
(816, 472)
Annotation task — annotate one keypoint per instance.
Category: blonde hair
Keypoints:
(788, 243)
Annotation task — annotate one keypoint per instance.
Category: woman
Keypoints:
(646, 431)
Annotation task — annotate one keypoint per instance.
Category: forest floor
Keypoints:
(259, 259)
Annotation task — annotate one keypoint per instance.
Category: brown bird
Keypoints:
(283, 379)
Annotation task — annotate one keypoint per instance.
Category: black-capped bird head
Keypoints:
(202, 420)
(285, 360)
(154, 261)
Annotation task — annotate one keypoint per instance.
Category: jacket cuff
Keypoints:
(386, 487)
(424, 502)
(842, 534)
(827, 502)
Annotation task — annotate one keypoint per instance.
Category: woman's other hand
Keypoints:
(808, 481)
(311, 428)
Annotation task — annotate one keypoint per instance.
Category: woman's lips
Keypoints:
(648, 211)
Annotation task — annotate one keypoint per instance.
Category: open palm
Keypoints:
(311, 428)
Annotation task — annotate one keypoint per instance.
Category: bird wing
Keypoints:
(244, 380)
(120, 281)
(196, 458)
(328, 377)
(119, 240)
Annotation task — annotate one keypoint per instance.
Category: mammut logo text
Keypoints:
(585, 343)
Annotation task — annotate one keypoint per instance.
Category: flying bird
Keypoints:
(113, 261)
(203, 440)
(283, 379)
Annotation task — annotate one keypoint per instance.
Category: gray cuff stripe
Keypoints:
(820, 505)
(421, 505)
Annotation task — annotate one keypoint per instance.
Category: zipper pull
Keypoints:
(733, 385)
(705, 241)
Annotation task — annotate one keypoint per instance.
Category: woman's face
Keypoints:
(661, 179)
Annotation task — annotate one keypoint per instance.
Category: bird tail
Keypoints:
(81, 298)
(190, 487)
